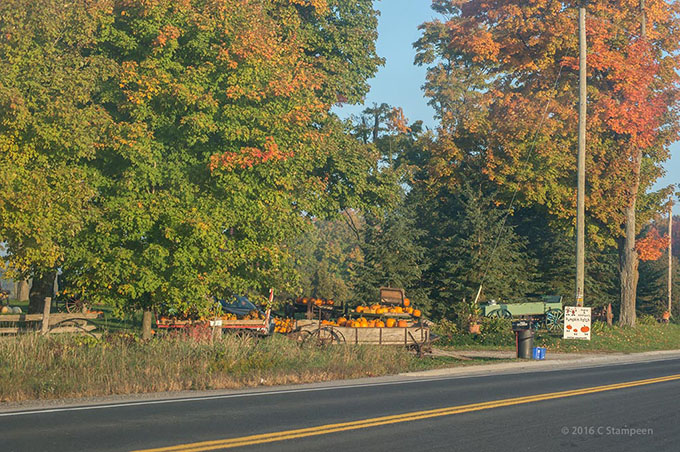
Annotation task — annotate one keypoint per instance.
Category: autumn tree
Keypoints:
(220, 146)
(49, 129)
(502, 77)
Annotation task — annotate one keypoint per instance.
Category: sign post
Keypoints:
(577, 323)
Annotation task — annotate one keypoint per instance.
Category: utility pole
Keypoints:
(670, 254)
(580, 199)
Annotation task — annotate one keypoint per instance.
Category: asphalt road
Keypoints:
(643, 417)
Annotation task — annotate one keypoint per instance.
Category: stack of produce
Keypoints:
(383, 309)
(284, 325)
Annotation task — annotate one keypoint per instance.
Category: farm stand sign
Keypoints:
(576, 323)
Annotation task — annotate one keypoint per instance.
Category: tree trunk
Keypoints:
(43, 286)
(22, 290)
(628, 266)
(146, 325)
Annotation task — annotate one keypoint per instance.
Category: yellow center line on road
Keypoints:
(394, 419)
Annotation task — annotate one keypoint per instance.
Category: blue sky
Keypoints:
(399, 82)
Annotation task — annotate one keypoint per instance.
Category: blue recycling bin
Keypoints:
(538, 353)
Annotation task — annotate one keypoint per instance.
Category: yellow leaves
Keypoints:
(321, 6)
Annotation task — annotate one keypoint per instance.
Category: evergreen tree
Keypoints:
(471, 244)
(393, 256)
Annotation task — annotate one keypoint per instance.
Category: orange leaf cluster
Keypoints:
(651, 247)
(248, 157)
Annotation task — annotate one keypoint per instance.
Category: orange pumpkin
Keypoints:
(409, 310)
(407, 302)
(416, 313)
(371, 323)
(390, 323)
(342, 321)
(360, 309)
(380, 324)
(399, 310)
(402, 324)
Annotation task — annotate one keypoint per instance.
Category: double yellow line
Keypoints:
(406, 417)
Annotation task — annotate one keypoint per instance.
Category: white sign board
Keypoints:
(217, 322)
(576, 323)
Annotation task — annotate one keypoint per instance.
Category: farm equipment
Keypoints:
(238, 315)
(389, 325)
(547, 313)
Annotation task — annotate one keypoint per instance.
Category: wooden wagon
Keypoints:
(49, 323)
(547, 313)
(416, 336)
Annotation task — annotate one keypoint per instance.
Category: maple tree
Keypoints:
(221, 145)
(48, 130)
(651, 246)
(502, 77)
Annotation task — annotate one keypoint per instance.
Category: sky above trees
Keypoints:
(399, 81)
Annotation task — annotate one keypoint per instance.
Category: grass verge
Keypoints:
(644, 337)
(605, 338)
(35, 367)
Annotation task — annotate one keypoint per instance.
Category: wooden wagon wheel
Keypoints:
(554, 320)
(500, 313)
(325, 336)
(74, 305)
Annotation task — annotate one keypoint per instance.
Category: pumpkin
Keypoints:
(409, 310)
(5, 310)
(360, 309)
(342, 321)
(390, 323)
(402, 324)
(380, 324)
(407, 302)
(399, 310)
(371, 323)
(305, 301)
(416, 313)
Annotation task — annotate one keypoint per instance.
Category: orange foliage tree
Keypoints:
(503, 79)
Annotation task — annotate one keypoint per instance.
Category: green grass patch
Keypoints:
(605, 338)
(496, 334)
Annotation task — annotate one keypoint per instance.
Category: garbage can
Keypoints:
(525, 343)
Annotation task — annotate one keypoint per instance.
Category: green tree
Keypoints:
(50, 128)
(393, 256)
(217, 151)
(470, 244)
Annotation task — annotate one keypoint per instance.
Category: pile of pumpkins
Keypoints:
(382, 309)
(10, 310)
(315, 301)
(284, 325)
(362, 322)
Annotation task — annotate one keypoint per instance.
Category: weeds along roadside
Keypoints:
(37, 367)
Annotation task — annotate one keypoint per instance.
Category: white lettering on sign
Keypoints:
(577, 323)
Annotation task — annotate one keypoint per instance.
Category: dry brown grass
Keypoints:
(36, 367)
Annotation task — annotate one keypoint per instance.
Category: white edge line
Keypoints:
(325, 388)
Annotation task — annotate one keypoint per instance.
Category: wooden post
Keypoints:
(670, 255)
(581, 168)
(45, 327)
(146, 325)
